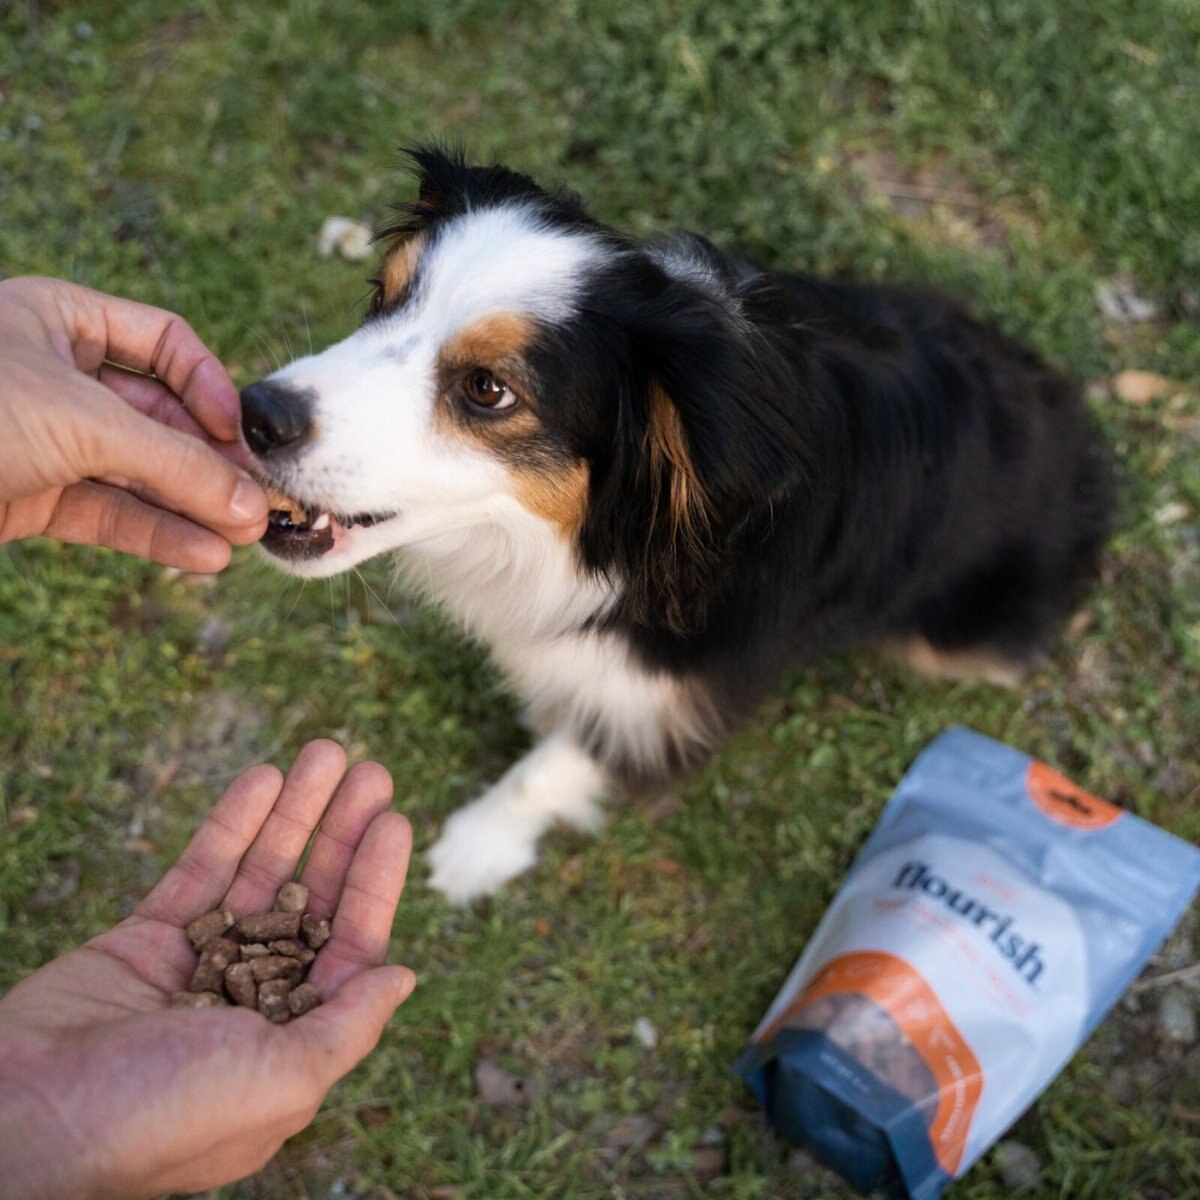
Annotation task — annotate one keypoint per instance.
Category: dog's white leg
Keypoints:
(489, 841)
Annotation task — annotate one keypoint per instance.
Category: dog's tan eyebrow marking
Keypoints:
(490, 341)
(400, 264)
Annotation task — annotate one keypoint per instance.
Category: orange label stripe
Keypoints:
(903, 994)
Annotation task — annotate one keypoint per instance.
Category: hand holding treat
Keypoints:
(106, 1090)
(120, 429)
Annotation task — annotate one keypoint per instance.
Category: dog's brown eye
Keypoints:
(485, 390)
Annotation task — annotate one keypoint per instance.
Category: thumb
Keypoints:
(340, 1033)
(183, 473)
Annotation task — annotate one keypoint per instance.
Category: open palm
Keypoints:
(113, 1093)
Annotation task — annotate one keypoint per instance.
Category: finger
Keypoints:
(158, 402)
(272, 860)
(364, 794)
(152, 399)
(362, 925)
(95, 514)
(155, 342)
(334, 1037)
(185, 472)
(204, 872)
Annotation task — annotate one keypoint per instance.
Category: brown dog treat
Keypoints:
(303, 998)
(292, 898)
(221, 952)
(197, 1000)
(316, 932)
(293, 949)
(273, 1000)
(241, 985)
(269, 926)
(210, 970)
(207, 977)
(211, 925)
(249, 950)
(276, 966)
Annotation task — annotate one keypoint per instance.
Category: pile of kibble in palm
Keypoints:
(258, 961)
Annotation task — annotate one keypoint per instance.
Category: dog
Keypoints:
(651, 476)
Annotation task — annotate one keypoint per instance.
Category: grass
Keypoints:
(1021, 152)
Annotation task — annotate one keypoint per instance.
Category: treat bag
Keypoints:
(994, 915)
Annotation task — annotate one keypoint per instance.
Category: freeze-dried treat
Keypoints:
(258, 961)
(273, 1000)
(198, 1000)
(214, 958)
(303, 998)
(241, 984)
(292, 898)
(293, 949)
(276, 966)
(316, 932)
(269, 926)
(203, 929)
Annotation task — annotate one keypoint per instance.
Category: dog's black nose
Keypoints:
(275, 417)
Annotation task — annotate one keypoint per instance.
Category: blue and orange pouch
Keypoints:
(994, 915)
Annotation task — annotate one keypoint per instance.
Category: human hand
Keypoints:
(119, 427)
(107, 1093)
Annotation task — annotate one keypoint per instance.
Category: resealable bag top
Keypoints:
(994, 915)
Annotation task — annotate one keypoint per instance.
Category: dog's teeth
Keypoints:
(322, 522)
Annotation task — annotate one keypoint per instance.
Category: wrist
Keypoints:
(41, 1156)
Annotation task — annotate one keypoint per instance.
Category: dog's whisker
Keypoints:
(268, 352)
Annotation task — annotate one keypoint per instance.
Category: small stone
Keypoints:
(292, 898)
(211, 925)
(251, 950)
(500, 1088)
(1177, 1015)
(303, 998)
(350, 239)
(269, 926)
(1140, 387)
(645, 1032)
(1020, 1168)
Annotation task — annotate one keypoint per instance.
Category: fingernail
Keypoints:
(249, 501)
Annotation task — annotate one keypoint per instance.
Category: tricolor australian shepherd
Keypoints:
(652, 476)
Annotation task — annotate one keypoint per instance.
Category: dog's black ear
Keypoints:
(448, 185)
(713, 437)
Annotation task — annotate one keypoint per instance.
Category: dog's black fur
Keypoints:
(861, 463)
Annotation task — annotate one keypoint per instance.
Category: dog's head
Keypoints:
(520, 362)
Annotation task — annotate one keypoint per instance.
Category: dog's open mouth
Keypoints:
(296, 530)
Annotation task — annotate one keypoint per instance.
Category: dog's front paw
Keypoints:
(480, 849)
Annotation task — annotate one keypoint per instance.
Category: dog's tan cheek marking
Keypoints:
(558, 496)
(399, 265)
(498, 343)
